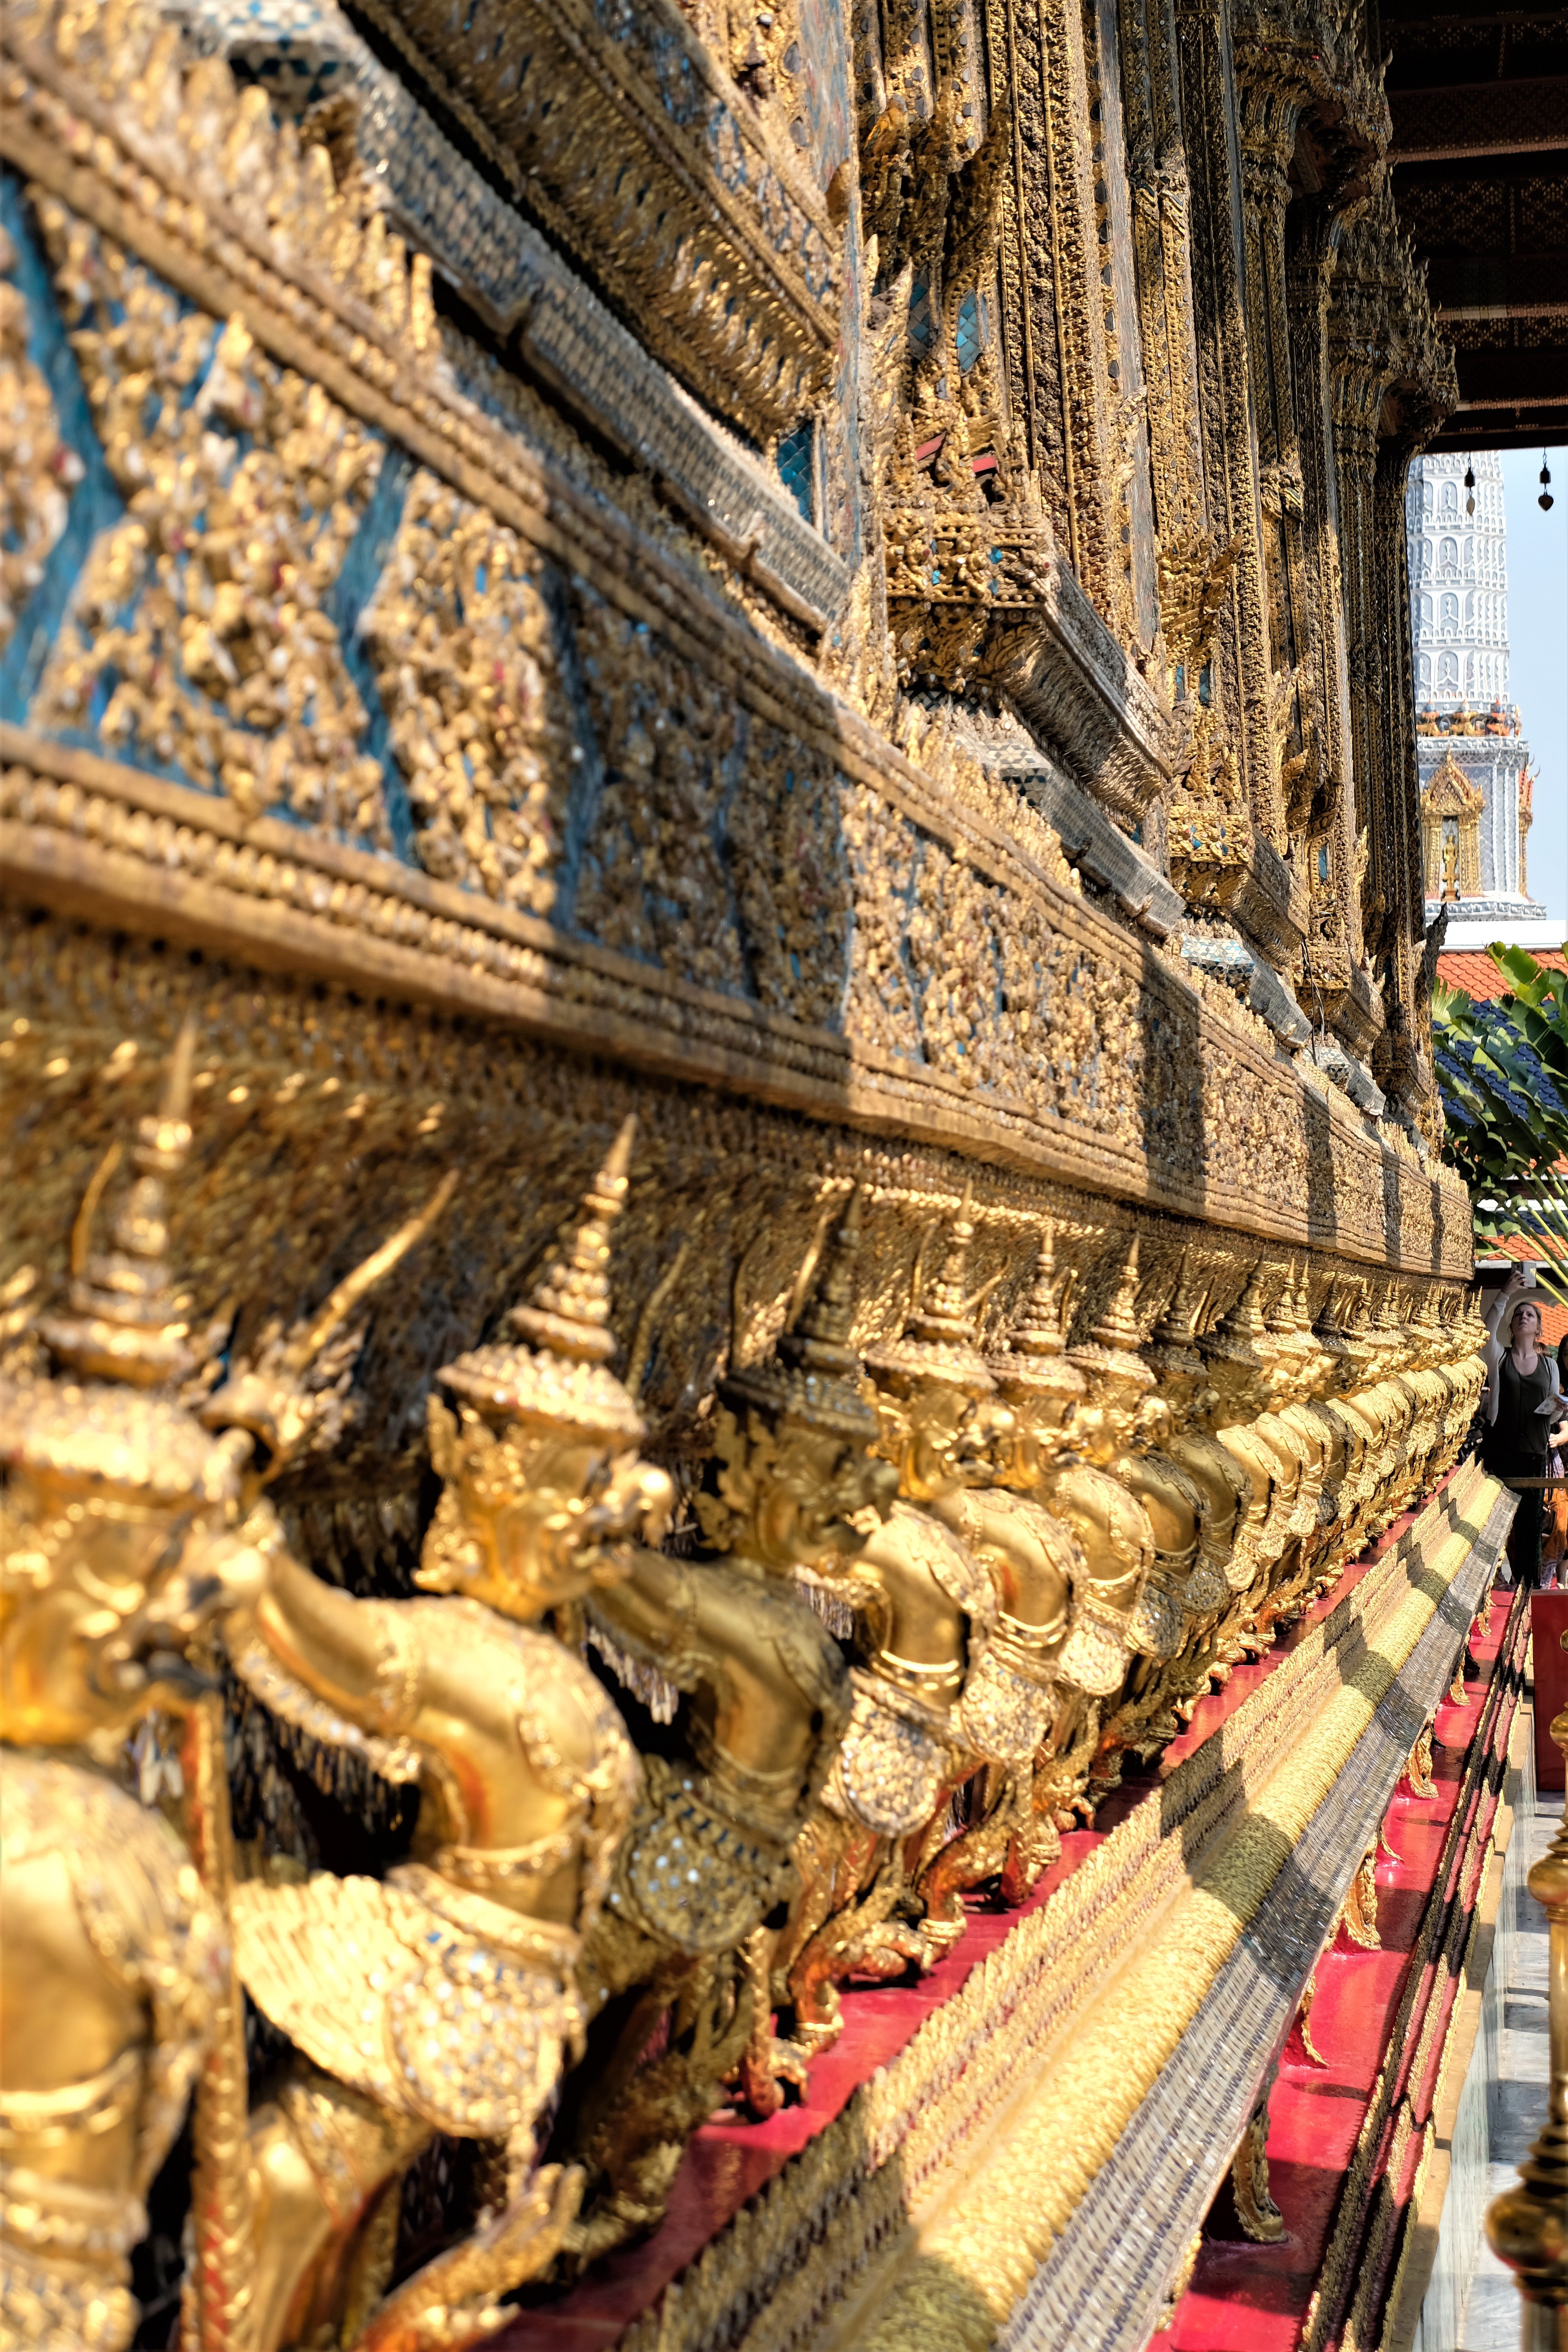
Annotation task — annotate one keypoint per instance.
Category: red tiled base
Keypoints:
(1254, 2298)
(726, 2164)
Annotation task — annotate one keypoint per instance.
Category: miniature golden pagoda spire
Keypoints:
(1118, 1327)
(125, 1321)
(813, 1374)
(937, 1341)
(562, 1377)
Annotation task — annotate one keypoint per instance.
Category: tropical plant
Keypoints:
(1503, 1071)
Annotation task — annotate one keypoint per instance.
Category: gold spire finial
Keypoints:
(1118, 1327)
(1038, 1329)
(1282, 1317)
(1178, 1325)
(570, 1310)
(125, 1321)
(563, 1375)
(813, 1374)
(822, 1327)
(1246, 1319)
(944, 1311)
(937, 1342)
(1237, 1337)
(1035, 1356)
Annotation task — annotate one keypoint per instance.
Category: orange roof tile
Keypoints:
(1518, 1245)
(1473, 970)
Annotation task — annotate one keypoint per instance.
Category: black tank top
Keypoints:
(1521, 1428)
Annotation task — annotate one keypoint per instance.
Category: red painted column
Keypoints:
(1547, 1624)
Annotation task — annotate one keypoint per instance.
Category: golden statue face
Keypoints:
(1178, 1396)
(939, 1436)
(1107, 1422)
(1238, 1391)
(819, 1481)
(789, 1492)
(1042, 1426)
(1041, 1419)
(101, 1594)
(529, 1520)
(1154, 1422)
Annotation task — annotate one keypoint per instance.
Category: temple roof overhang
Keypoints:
(1478, 98)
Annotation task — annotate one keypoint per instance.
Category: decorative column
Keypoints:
(1357, 391)
(1269, 108)
(1162, 245)
(1219, 310)
(1050, 279)
(1393, 384)
(1313, 242)
(1134, 578)
(1528, 2226)
(1313, 128)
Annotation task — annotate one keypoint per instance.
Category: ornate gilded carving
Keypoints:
(933, 1699)
(1260, 2217)
(1358, 1913)
(528, 1779)
(1021, 1341)
(1418, 1771)
(120, 1541)
(706, 1862)
(464, 652)
(733, 271)
(1450, 834)
(37, 467)
(202, 621)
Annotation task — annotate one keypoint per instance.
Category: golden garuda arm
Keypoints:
(764, 1702)
(117, 1543)
(442, 1998)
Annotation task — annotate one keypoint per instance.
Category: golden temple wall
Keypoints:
(831, 578)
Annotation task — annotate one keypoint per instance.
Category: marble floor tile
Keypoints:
(1516, 2103)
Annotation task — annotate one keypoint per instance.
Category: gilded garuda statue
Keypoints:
(764, 1702)
(936, 1696)
(122, 1540)
(1062, 1493)
(443, 1997)
(117, 1546)
(1231, 1489)
(1055, 1626)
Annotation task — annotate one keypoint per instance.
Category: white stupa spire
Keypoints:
(1458, 582)
(1472, 755)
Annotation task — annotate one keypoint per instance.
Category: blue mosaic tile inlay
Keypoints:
(796, 457)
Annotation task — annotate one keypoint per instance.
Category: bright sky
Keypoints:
(1537, 658)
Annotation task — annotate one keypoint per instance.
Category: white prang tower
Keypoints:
(1474, 761)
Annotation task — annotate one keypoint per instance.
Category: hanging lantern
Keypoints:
(1545, 501)
(1469, 489)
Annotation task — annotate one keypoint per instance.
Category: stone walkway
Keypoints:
(1512, 2047)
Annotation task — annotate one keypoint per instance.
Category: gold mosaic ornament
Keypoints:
(831, 583)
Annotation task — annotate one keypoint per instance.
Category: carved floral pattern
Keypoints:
(200, 639)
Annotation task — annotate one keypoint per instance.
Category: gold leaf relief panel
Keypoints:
(653, 881)
(201, 638)
(786, 850)
(37, 470)
(466, 664)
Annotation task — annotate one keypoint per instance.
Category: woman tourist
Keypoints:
(1522, 1404)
